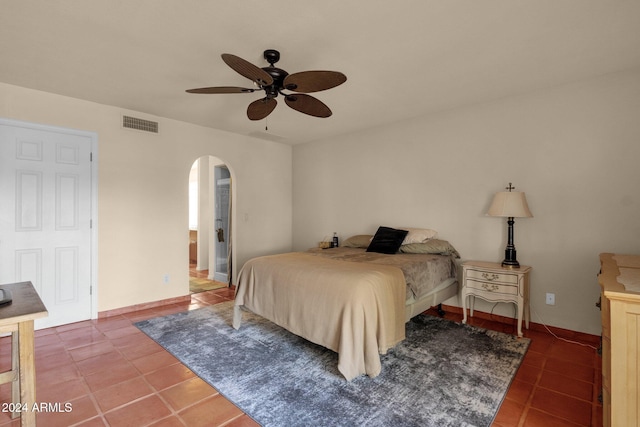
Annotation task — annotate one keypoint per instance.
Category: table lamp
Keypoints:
(510, 204)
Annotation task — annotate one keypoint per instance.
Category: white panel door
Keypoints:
(45, 217)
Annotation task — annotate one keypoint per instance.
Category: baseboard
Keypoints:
(144, 306)
(537, 327)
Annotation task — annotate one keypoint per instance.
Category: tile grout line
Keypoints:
(90, 393)
(527, 405)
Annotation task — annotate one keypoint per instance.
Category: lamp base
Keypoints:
(510, 264)
(510, 260)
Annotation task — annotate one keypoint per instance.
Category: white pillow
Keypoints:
(418, 235)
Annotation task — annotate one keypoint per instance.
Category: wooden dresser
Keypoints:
(620, 303)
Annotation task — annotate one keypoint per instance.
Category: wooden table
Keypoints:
(18, 318)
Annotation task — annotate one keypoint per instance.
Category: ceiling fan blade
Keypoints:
(221, 89)
(247, 69)
(261, 108)
(313, 81)
(307, 104)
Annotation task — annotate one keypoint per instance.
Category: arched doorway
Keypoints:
(209, 224)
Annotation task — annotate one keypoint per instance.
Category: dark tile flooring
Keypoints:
(114, 375)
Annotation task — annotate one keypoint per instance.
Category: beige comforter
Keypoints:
(422, 272)
(352, 308)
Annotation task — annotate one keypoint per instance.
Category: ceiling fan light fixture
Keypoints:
(274, 80)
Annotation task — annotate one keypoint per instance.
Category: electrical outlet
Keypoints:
(166, 279)
(551, 299)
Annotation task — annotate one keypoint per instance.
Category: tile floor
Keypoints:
(558, 383)
(199, 281)
(113, 375)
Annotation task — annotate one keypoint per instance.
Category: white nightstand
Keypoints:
(494, 283)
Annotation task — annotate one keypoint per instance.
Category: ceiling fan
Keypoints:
(274, 81)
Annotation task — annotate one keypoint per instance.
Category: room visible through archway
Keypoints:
(209, 224)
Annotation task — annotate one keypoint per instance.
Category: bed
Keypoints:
(349, 299)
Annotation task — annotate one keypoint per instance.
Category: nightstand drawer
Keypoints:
(492, 287)
(492, 276)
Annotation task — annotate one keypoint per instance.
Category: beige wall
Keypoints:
(143, 193)
(574, 150)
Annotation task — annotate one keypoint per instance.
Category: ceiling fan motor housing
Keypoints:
(278, 75)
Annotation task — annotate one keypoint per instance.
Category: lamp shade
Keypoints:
(510, 204)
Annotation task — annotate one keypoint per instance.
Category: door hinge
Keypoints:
(91, 223)
(90, 289)
(91, 157)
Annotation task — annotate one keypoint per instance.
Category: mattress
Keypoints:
(344, 299)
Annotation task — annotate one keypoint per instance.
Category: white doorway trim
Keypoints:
(210, 236)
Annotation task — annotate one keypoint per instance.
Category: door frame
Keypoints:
(220, 277)
(93, 137)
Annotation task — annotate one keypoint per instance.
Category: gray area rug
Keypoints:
(443, 374)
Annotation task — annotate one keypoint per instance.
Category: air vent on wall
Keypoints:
(139, 124)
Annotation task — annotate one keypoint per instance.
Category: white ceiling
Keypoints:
(402, 58)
